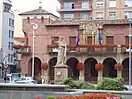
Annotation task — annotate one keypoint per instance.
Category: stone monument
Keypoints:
(61, 69)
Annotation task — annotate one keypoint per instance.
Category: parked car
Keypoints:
(12, 76)
(7, 77)
(24, 80)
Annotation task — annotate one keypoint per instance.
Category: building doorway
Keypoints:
(90, 72)
(125, 71)
(109, 70)
(52, 62)
(37, 68)
(72, 70)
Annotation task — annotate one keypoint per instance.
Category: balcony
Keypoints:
(26, 50)
(87, 49)
(67, 9)
(125, 48)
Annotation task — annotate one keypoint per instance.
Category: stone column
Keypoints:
(44, 76)
(81, 77)
(60, 73)
(119, 73)
(100, 76)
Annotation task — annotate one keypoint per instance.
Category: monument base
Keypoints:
(60, 73)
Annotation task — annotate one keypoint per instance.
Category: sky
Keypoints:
(20, 6)
(27, 5)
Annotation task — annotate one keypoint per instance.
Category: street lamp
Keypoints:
(130, 35)
(34, 27)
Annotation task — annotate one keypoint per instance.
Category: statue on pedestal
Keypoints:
(61, 51)
(61, 69)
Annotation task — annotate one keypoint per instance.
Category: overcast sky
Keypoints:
(27, 5)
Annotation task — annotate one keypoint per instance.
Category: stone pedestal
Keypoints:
(60, 73)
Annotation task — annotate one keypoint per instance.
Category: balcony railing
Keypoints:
(125, 48)
(26, 50)
(76, 8)
(86, 48)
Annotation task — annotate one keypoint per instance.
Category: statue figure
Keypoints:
(61, 51)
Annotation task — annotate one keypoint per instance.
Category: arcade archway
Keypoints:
(125, 71)
(109, 70)
(37, 68)
(72, 71)
(52, 62)
(90, 72)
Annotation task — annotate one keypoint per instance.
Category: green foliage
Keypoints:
(78, 84)
(50, 97)
(112, 84)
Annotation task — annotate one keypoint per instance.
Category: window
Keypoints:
(99, 15)
(83, 15)
(128, 14)
(72, 41)
(12, 34)
(72, 6)
(69, 4)
(99, 3)
(6, 9)
(109, 40)
(28, 19)
(54, 40)
(68, 15)
(85, 4)
(112, 15)
(10, 22)
(128, 3)
(42, 19)
(112, 3)
(127, 40)
(10, 45)
(9, 58)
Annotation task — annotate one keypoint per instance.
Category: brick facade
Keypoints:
(49, 28)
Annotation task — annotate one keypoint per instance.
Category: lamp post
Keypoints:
(34, 27)
(130, 35)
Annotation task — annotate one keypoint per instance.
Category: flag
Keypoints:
(99, 38)
(78, 38)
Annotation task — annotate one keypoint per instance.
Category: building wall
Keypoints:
(7, 15)
(44, 34)
(119, 9)
(1, 14)
(5, 38)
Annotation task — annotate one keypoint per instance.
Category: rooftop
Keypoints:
(38, 11)
(78, 22)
